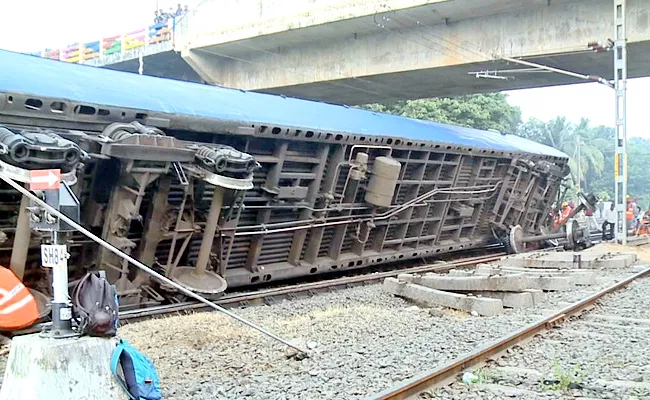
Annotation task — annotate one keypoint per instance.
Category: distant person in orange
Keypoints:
(18, 308)
(564, 213)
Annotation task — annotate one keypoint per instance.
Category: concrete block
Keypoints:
(538, 296)
(409, 278)
(460, 272)
(579, 276)
(511, 299)
(565, 260)
(616, 260)
(431, 297)
(552, 283)
(511, 283)
(550, 260)
(61, 369)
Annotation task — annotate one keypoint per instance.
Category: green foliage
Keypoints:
(480, 111)
(492, 111)
(565, 378)
(580, 142)
(484, 375)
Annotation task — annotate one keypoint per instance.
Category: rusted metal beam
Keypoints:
(316, 237)
(264, 215)
(153, 224)
(299, 237)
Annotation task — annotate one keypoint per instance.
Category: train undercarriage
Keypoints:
(217, 188)
(210, 216)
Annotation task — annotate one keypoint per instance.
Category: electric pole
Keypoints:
(620, 157)
(579, 165)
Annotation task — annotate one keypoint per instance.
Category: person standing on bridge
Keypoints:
(610, 221)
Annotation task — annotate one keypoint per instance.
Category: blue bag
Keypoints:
(140, 380)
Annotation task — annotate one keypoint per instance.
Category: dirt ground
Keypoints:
(642, 252)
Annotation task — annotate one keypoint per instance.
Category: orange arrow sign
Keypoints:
(45, 179)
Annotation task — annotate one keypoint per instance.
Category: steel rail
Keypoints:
(444, 373)
(232, 299)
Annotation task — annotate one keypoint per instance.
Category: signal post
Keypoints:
(82, 363)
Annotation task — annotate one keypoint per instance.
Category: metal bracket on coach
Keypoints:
(223, 166)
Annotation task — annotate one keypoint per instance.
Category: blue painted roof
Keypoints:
(28, 74)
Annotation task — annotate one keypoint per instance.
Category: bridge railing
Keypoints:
(142, 38)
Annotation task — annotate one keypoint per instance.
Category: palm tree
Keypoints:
(583, 145)
(559, 133)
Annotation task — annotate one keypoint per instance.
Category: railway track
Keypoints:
(275, 294)
(446, 373)
(271, 295)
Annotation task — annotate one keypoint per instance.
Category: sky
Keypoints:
(88, 20)
(589, 100)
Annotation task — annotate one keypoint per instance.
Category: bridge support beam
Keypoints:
(416, 52)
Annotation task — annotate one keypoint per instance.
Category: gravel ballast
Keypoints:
(601, 355)
(361, 340)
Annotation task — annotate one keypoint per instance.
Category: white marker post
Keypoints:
(54, 255)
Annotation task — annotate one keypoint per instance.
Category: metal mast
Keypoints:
(620, 157)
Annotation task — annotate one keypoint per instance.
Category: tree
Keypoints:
(480, 111)
(581, 143)
(534, 130)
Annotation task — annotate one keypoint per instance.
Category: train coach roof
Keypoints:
(28, 74)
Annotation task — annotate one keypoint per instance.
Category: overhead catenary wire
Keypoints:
(140, 265)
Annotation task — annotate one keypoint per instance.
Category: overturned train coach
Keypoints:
(217, 187)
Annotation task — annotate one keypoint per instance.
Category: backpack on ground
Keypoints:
(95, 305)
(140, 379)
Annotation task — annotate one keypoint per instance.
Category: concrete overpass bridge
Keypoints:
(356, 51)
